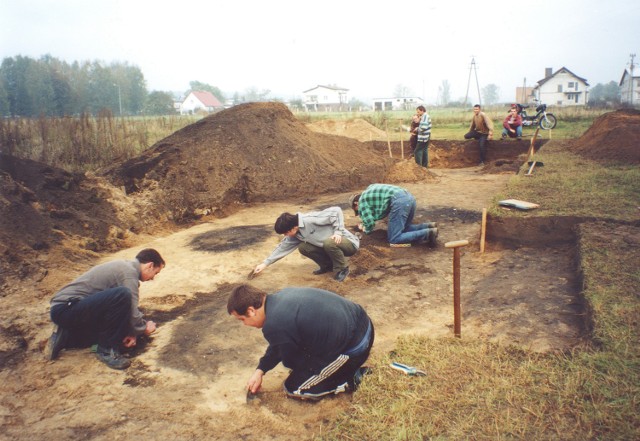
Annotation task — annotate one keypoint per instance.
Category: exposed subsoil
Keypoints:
(206, 198)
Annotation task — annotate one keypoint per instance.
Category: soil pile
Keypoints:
(253, 152)
(614, 136)
(357, 129)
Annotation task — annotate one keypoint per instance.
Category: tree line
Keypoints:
(51, 87)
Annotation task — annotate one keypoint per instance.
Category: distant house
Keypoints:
(629, 89)
(325, 98)
(562, 88)
(200, 101)
(399, 103)
(524, 95)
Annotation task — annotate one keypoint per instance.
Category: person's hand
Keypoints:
(259, 268)
(360, 227)
(129, 341)
(490, 136)
(512, 130)
(255, 382)
(151, 327)
(337, 238)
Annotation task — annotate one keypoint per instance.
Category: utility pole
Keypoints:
(474, 69)
(631, 66)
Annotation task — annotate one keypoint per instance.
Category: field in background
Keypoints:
(87, 143)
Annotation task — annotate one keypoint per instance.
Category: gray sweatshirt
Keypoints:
(314, 228)
(102, 277)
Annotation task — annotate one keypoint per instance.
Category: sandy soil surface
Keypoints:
(187, 380)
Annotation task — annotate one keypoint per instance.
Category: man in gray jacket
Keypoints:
(101, 306)
(320, 235)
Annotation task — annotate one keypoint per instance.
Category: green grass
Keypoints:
(483, 391)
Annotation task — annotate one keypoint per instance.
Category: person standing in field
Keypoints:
(101, 306)
(481, 129)
(319, 235)
(421, 153)
(323, 338)
(413, 139)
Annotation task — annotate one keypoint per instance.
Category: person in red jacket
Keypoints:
(512, 124)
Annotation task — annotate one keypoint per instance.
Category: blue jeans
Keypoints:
(400, 227)
(103, 318)
(506, 132)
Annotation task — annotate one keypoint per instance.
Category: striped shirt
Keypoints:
(424, 129)
(375, 204)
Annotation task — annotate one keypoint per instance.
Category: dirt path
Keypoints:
(187, 381)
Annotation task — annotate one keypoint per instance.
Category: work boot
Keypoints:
(342, 274)
(56, 343)
(432, 236)
(112, 358)
(431, 225)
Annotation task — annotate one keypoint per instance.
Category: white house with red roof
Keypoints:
(200, 101)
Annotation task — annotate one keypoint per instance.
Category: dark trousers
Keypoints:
(337, 376)
(103, 318)
(482, 142)
(331, 255)
(422, 154)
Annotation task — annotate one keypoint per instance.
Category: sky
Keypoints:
(372, 48)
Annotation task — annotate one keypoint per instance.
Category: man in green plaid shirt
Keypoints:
(381, 200)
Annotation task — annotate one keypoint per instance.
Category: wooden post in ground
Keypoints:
(532, 146)
(386, 129)
(483, 229)
(456, 245)
(401, 148)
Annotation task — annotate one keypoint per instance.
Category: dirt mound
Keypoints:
(614, 136)
(357, 129)
(249, 153)
(48, 210)
(408, 171)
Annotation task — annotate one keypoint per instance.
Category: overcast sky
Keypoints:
(369, 47)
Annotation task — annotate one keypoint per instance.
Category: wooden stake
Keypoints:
(483, 229)
(386, 129)
(456, 245)
(401, 148)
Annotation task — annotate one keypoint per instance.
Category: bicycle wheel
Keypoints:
(548, 122)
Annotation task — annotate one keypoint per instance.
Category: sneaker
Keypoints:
(504, 136)
(432, 237)
(519, 138)
(322, 271)
(56, 343)
(342, 274)
(432, 224)
(112, 358)
(359, 375)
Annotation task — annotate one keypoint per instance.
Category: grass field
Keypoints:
(482, 391)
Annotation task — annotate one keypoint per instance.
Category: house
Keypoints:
(325, 98)
(200, 101)
(399, 103)
(524, 95)
(629, 89)
(562, 88)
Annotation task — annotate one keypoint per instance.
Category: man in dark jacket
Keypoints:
(323, 338)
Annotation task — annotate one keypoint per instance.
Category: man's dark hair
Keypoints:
(243, 296)
(477, 105)
(150, 255)
(354, 198)
(285, 222)
(421, 108)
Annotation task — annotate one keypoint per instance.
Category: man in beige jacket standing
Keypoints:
(481, 129)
